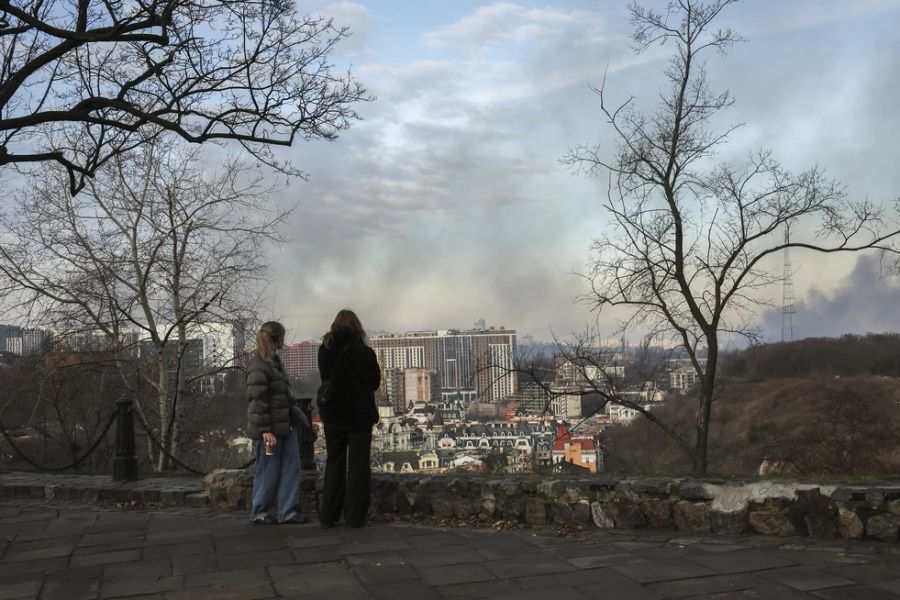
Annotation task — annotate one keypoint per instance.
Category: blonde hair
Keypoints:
(346, 320)
(265, 338)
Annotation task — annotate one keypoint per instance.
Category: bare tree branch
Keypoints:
(78, 87)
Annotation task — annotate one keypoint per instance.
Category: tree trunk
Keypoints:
(163, 382)
(707, 393)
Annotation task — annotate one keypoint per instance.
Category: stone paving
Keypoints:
(53, 550)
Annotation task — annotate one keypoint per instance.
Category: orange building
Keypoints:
(580, 450)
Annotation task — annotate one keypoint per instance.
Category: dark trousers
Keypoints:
(348, 477)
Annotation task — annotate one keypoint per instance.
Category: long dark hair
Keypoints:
(346, 321)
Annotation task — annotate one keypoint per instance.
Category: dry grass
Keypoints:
(835, 427)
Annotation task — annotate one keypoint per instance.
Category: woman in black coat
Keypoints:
(350, 365)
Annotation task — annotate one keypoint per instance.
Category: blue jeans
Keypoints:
(277, 479)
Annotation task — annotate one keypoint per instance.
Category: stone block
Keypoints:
(653, 486)
(562, 514)
(691, 517)
(62, 492)
(513, 508)
(602, 489)
(695, 490)
(819, 513)
(849, 525)
(601, 515)
(883, 527)
(226, 488)
(89, 495)
(509, 487)
(658, 513)
(576, 491)
(535, 511)
(442, 505)
(466, 507)
(582, 512)
(197, 500)
(407, 492)
(488, 508)
(843, 494)
(730, 522)
(627, 513)
(771, 522)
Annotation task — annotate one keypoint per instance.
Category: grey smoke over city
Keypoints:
(448, 202)
(865, 300)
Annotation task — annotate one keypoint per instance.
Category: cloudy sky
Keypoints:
(448, 202)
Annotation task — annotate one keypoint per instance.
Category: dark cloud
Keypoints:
(866, 300)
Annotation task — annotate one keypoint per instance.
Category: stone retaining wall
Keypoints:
(765, 507)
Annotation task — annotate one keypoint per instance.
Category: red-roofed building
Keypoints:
(581, 450)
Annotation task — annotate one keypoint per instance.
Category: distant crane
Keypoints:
(788, 329)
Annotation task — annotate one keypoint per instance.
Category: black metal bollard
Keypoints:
(307, 439)
(125, 462)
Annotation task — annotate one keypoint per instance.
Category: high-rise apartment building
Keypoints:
(8, 333)
(301, 359)
(471, 365)
(24, 342)
(421, 386)
(35, 341)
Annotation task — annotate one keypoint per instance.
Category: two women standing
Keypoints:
(346, 360)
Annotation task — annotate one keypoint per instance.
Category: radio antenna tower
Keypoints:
(788, 329)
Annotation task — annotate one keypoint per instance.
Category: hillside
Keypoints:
(848, 355)
(837, 426)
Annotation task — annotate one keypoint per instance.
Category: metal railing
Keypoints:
(125, 463)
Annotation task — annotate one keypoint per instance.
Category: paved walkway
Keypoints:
(65, 551)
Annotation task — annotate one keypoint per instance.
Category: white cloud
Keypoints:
(358, 19)
(507, 22)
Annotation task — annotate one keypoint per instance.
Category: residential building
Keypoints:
(470, 364)
(301, 360)
(580, 450)
(7, 332)
(565, 401)
(421, 386)
(14, 345)
(646, 397)
(35, 341)
(23, 342)
(601, 372)
(683, 379)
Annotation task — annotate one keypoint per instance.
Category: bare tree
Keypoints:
(152, 253)
(82, 80)
(687, 254)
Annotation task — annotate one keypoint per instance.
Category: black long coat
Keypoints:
(353, 368)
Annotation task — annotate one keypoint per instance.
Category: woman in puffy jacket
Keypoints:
(352, 368)
(277, 480)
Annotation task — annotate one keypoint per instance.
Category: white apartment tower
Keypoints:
(471, 365)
